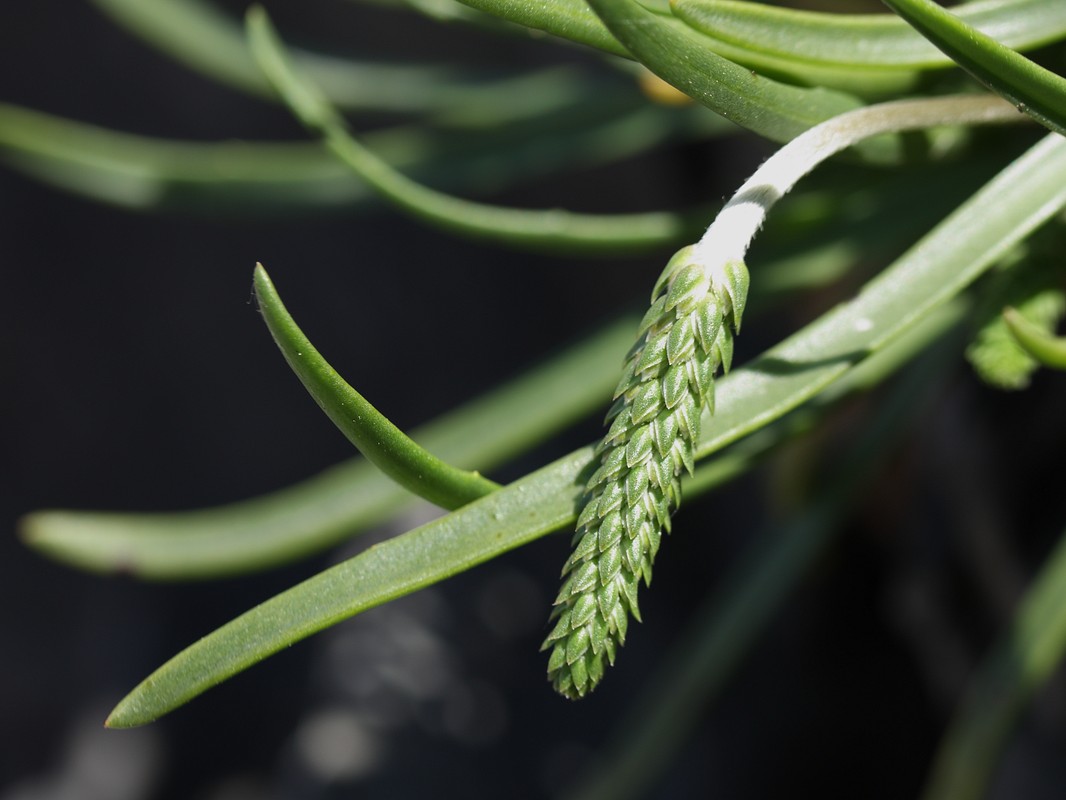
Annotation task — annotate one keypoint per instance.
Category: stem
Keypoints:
(549, 229)
(730, 235)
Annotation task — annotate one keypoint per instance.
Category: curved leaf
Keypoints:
(867, 54)
(353, 496)
(521, 512)
(350, 497)
(1031, 285)
(553, 229)
(239, 178)
(1038, 92)
(875, 42)
(1047, 350)
(386, 446)
(212, 43)
(1013, 204)
(569, 19)
(681, 56)
(140, 172)
(347, 499)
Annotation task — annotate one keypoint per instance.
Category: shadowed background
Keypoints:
(140, 377)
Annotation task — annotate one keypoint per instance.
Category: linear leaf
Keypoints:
(1038, 92)
(1007, 678)
(1013, 204)
(553, 229)
(568, 19)
(239, 178)
(349, 498)
(885, 312)
(385, 446)
(140, 172)
(212, 43)
(344, 500)
(683, 58)
(863, 41)
(680, 56)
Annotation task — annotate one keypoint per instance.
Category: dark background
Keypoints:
(138, 376)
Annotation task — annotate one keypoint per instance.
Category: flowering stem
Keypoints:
(732, 231)
(668, 379)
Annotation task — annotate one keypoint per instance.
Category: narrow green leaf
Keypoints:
(1026, 656)
(1001, 214)
(342, 501)
(568, 19)
(874, 42)
(1007, 209)
(552, 229)
(1036, 91)
(140, 172)
(447, 11)
(351, 497)
(681, 56)
(241, 178)
(517, 514)
(204, 39)
(527, 509)
(386, 446)
(1045, 349)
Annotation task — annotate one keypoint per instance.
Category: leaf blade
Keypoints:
(864, 41)
(1038, 92)
(1047, 350)
(545, 500)
(202, 38)
(344, 500)
(385, 571)
(568, 19)
(680, 56)
(144, 173)
(552, 229)
(385, 446)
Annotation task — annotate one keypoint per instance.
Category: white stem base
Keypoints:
(732, 231)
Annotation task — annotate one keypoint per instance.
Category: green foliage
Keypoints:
(797, 77)
(1035, 90)
(771, 37)
(554, 229)
(749, 398)
(1050, 351)
(385, 446)
(1033, 289)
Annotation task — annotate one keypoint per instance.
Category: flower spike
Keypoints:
(654, 428)
(685, 337)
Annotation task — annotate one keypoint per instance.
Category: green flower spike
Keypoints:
(669, 377)
(654, 427)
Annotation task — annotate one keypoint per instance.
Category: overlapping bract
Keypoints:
(654, 427)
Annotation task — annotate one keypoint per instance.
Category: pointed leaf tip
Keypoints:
(385, 445)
